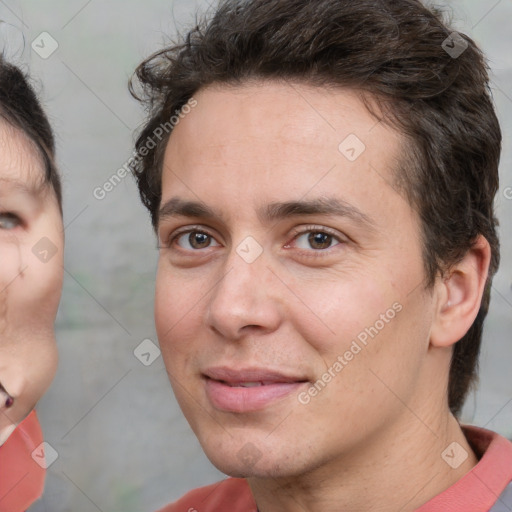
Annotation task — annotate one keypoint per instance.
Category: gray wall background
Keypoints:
(121, 440)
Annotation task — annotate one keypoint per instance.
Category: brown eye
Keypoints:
(316, 240)
(195, 240)
(198, 240)
(319, 240)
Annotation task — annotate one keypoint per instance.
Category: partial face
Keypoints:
(31, 251)
(300, 265)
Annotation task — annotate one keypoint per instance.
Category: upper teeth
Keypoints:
(248, 384)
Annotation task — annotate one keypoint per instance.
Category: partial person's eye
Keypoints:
(194, 240)
(9, 220)
(316, 239)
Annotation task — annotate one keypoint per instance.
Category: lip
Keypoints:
(4, 397)
(223, 391)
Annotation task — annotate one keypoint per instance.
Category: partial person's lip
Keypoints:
(6, 400)
(249, 389)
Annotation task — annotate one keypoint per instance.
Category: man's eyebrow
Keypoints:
(317, 206)
(273, 211)
(184, 208)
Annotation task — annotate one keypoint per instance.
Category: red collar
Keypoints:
(480, 487)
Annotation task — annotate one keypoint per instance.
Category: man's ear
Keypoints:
(459, 295)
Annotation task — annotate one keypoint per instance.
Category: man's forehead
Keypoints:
(216, 149)
(284, 116)
(299, 101)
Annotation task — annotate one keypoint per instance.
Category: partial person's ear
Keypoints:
(459, 295)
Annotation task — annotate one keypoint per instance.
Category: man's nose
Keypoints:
(248, 296)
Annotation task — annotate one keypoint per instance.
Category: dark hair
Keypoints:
(20, 108)
(392, 52)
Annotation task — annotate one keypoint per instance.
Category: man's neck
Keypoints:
(395, 472)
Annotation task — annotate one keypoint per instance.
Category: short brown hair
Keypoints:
(395, 53)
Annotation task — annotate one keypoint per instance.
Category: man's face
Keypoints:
(31, 248)
(259, 298)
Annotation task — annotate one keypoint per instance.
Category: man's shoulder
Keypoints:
(232, 494)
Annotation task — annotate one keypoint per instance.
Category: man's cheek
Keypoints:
(176, 310)
(177, 351)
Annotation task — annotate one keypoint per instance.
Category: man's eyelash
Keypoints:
(296, 233)
(186, 231)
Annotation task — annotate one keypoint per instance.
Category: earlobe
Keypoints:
(459, 295)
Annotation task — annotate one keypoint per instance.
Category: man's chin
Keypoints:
(248, 462)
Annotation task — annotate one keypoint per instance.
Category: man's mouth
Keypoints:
(6, 400)
(249, 389)
(246, 384)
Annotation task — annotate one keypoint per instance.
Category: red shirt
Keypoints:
(477, 491)
(21, 478)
